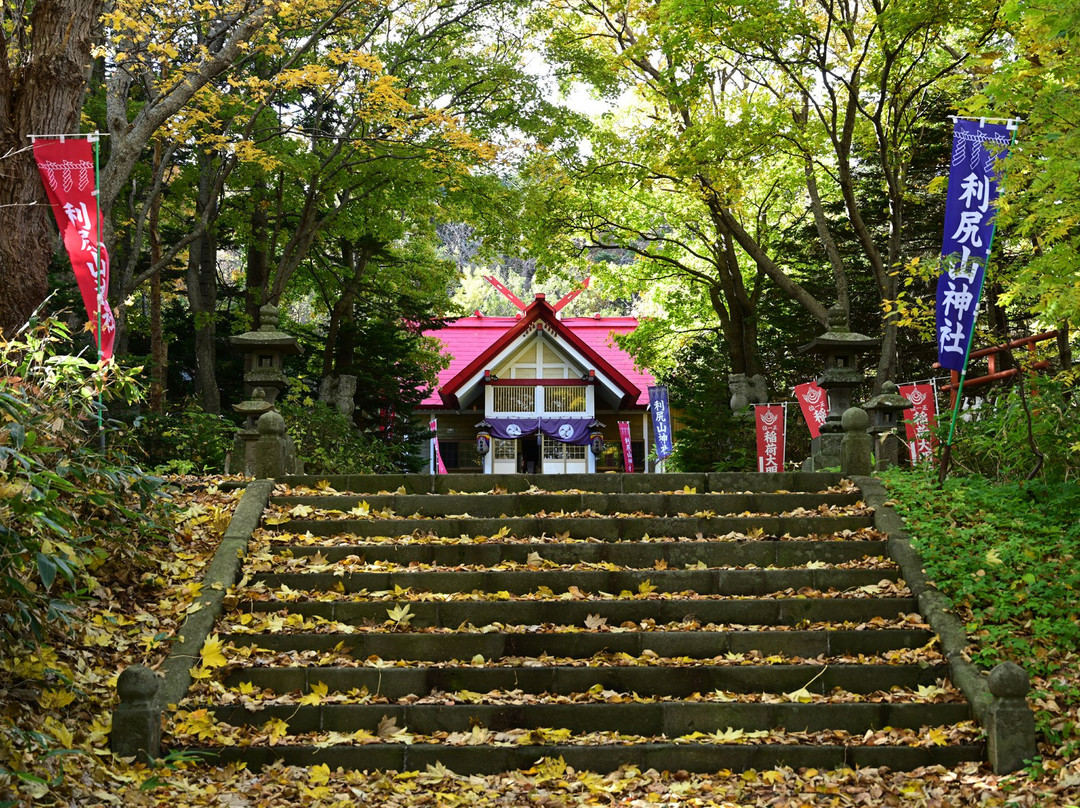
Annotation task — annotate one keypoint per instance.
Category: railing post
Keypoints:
(1010, 724)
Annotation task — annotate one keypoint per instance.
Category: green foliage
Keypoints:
(1005, 554)
(329, 442)
(65, 508)
(1035, 78)
(182, 441)
(996, 444)
(710, 437)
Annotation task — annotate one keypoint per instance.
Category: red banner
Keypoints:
(67, 171)
(440, 467)
(627, 447)
(771, 436)
(920, 420)
(814, 403)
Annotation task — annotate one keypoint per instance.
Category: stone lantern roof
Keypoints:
(839, 335)
(889, 400)
(268, 335)
(839, 340)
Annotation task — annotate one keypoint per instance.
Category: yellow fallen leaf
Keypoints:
(211, 655)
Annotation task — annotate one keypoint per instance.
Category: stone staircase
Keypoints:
(693, 622)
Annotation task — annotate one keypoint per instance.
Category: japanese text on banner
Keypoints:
(814, 403)
(627, 446)
(661, 418)
(67, 171)
(771, 422)
(969, 227)
(919, 421)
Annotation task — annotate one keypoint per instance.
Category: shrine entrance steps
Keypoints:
(481, 623)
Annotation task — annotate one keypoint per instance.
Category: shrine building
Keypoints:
(536, 393)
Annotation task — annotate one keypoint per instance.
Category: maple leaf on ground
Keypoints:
(301, 510)
(595, 621)
(317, 694)
(210, 655)
(401, 615)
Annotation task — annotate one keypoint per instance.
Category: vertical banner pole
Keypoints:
(97, 281)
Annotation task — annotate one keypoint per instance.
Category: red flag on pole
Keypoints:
(440, 467)
(771, 436)
(919, 421)
(67, 171)
(814, 404)
(627, 446)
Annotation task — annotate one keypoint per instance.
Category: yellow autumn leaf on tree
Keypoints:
(211, 655)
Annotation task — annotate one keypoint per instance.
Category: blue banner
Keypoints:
(661, 419)
(969, 228)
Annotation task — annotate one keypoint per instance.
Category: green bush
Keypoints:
(996, 442)
(65, 507)
(183, 441)
(1005, 553)
(329, 443)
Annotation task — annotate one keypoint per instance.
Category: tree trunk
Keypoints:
(158, 347)
(41, 92)
(258, 260)
(202, 295)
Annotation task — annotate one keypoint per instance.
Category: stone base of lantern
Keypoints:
(824, 452)
(242, 460)
(887, 447)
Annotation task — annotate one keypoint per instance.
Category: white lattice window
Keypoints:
(511, 398)
(560, 398)
(504, 449)
(557, 450)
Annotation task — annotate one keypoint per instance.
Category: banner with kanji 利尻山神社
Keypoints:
(661, 418)
(67, 171)
(771, 436)
(969, 229)
(919, 421)
(814, 403)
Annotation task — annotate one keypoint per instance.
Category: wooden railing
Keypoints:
(992, 357)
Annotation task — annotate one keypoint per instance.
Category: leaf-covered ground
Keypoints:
(55, 704)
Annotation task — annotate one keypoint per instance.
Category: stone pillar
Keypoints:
(270, 449)
(857, 445)
(1010, 724)
(136, 726)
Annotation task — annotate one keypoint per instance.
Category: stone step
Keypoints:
(506, 505)
(630, 528)
(703, 582)
(759, 612)
(600, 483)
(662, 756)
(674, 681)
(633, 554)
(670, 719)
(466, 646)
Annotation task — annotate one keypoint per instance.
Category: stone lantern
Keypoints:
(243, 453)
(885, 413)
(840, 347)
(264, 355)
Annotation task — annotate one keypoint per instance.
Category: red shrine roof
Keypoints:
(472, 342)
